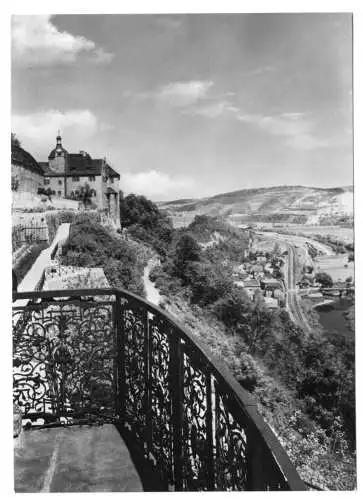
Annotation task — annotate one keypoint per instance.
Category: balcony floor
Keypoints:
(73, 459)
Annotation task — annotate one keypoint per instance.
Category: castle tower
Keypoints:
(58, 157)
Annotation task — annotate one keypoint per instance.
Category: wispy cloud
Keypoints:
(181, 94)
(167, 22)
(157, 185)
(296, 128)
(199, 97)
(214, 108)
(262, 70)
(37, 131)
(36, 41)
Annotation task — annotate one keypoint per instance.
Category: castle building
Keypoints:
(66, 173)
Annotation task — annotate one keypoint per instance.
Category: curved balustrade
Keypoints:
(110, 355)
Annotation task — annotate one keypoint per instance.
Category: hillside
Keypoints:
(274, 204)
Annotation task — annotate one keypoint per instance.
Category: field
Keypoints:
(344, 234)
(335, 266)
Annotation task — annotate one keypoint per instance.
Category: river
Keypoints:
(332, 317)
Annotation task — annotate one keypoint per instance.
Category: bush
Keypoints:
(92, 245)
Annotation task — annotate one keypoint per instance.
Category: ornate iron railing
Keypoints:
(111, 355)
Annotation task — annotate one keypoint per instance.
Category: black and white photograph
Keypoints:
(183, 252)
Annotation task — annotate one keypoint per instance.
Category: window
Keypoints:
(91, 178)
(59, 193)
(94, 193)
(46, 182)
(111, 180)
(60, 182)
(75, 178)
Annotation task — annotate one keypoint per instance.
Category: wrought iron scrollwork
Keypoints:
(63, 360)
(107, 352)
(135, 366)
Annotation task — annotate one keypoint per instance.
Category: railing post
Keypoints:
(147, 378)
(255, 463)
(120, 358)
(209, 436)
(176, 389)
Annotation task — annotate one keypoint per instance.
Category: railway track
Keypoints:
(293, 303)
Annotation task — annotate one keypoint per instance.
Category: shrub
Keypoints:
(92, 245)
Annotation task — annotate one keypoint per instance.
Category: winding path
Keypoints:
(152, 293)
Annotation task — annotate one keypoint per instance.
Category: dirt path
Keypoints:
(152, 293)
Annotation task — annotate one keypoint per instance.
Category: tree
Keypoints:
(85, 195)
(47, 192)
(324, 279)
(187, 251)
(14, 140)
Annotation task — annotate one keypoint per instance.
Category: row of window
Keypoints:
(76, 193)
(91, 178)
(75, 178)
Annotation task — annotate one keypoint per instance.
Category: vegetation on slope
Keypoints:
(92, 245)
(310, 369)
(304, 386)
(146, 223)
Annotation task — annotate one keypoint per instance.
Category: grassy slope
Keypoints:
(256, 201)
(306, 443)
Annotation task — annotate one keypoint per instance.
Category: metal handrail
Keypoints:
(219, 412)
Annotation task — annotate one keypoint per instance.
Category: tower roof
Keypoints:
(59, 149)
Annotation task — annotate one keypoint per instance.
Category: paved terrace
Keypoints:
(73, 459)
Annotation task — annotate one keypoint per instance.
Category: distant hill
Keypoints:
(297, 204)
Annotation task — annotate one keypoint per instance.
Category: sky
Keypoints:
(190, 105)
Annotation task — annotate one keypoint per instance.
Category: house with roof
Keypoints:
(66, 173)
(26, 173)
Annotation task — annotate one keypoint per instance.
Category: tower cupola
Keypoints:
(58, 156)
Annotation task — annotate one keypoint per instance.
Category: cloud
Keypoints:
(37, 131)
(183, 94)
(214, 109)
(262, 70)
(157, 185)
(296, 128)
(36, 41)
(167, 23)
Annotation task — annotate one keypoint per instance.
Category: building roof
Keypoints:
(55, 150)
(59, 149)
(271, 303)
(81, 165)
(251, 284)
(110, 172)
(21, 157)
(271, 282)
